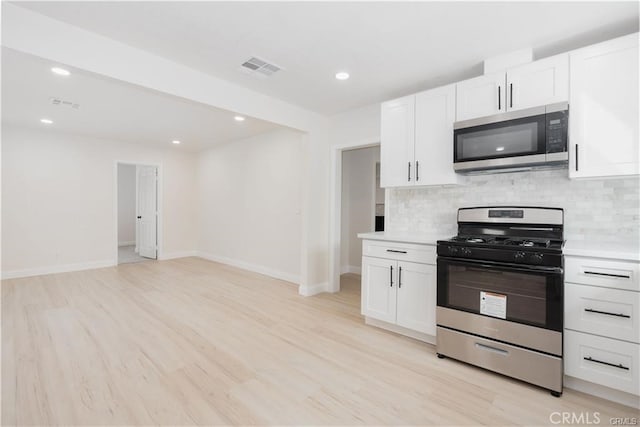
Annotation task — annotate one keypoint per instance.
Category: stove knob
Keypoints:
(519, 255)
(466, 251)
(537, 258)
(453, 250)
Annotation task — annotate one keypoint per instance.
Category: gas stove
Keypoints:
(501, 234)
(500, 293)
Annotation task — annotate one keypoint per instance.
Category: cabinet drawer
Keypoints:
(604, 361)
(425, 254)
(600, 272)
(603, 311)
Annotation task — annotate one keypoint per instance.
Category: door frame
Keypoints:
(159, 204)
(335, 207)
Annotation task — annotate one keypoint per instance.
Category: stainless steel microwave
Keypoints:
(531, 138)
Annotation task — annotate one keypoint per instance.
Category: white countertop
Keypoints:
(628, 251)
(423, 239)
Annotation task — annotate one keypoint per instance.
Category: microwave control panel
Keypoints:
(557, 132)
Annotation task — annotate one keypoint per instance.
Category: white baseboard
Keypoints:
(53, 269)
(310, 290)
(350, 269)
(607, 393)
(267, 271)
(131, 243)
(429, 339)
(180, 254)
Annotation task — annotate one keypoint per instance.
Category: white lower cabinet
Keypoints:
(602, 322)
(399, 292)
(605, 361)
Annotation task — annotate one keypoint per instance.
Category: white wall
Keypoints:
(126, 204)
(59, 200)
(358, 203)
(250, 203)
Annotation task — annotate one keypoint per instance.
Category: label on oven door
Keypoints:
(493, 304)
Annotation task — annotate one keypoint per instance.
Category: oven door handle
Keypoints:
(509, 266)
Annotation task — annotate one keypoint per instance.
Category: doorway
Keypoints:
(361, 210)
(137, 212)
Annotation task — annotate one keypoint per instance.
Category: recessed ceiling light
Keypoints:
(175, 141)
(342, 75)
(46, 121)
(239, 119)
(60, 71)
(499, 148)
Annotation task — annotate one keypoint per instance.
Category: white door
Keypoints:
(379, 285)
(538, 83)
(147, 199)
(416, 308)
(435, 114)
(397, 134)
(481, 96)
(603, 122)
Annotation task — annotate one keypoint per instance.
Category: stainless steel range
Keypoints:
(500, 293)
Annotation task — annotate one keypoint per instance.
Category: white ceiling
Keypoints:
(112, 109)
(390, 48)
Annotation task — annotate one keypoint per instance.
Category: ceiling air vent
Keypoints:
(259, 68)
(63, 103)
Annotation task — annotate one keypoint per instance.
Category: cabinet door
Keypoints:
(435, 114)
(417, 297)
(481, 96)
(538, 83)
(379, 285)
(397, 134)
(603, 117)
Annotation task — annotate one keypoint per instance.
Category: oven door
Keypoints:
(529, 295)
(487, 143)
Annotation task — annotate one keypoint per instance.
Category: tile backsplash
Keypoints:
(603, 210)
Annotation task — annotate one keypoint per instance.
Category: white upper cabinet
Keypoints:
(530, 85)
(397, 136)
(481, 96)
(417, 139)
(603, 121)
(435, 114)
(539, 83)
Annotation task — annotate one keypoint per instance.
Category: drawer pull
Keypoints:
(591, 310)
(493, 349)
(619, 366)
(396, 251)
(621, 276)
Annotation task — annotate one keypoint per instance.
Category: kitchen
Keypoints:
(531, 134)
(504, 289)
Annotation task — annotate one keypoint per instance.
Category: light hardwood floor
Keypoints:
(189, 341)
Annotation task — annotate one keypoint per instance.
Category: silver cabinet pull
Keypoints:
(396, 251)
(409, 171)
(399, 277)
(499, 95)
(391, 276)
(417, 171)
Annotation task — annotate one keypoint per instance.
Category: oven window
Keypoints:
(526, 293)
